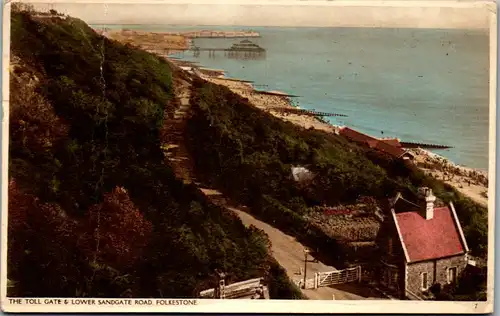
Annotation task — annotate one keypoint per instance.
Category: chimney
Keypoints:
(428, 199)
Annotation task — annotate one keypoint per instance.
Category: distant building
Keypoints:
(420, 245)
(391, 147)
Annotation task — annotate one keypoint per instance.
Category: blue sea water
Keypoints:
(421, 85)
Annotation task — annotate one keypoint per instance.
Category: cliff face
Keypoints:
(93, 208)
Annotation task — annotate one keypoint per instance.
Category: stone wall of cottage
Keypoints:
(437, 272)
(459, 262)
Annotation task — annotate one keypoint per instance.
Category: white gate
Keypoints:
(348, 275)
(320, 279)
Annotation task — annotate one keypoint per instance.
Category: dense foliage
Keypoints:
(229, 137)
(93, 208)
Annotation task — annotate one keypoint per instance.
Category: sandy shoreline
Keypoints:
(470, 182)
(271, 103)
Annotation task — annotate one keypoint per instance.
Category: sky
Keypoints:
(281, 13)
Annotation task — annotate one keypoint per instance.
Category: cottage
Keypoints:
(420, 245)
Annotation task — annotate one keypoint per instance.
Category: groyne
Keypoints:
(423, 145)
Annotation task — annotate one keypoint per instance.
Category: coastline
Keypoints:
(471, 182)
(271, 103)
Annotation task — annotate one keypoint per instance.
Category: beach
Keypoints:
(270, 103)
(470, 182)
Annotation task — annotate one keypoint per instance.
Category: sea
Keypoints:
(420, 85)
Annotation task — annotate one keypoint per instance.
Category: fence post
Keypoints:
(316, 279)
(359, 274)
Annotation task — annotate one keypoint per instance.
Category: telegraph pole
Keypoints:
(306, 252)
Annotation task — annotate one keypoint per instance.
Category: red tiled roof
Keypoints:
(372, 143)
(356, 136)
(429, 239)
(388, 146)
(389, 149)
(392, 141)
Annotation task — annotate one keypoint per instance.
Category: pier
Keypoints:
(243, 49)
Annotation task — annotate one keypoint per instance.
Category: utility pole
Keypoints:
(222, 285)
(306, 252)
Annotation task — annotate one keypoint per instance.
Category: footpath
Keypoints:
(287, 251)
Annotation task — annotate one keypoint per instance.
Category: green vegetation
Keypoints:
(229, 137)
(93, 208)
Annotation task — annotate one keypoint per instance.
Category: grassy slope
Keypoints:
(88, 175)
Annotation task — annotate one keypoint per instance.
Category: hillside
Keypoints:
(94, 211)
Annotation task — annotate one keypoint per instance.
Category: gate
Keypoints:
(348, 275)
(320, 279)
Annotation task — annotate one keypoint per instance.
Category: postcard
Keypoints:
(241, 156)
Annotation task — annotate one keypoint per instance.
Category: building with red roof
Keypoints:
(421, 244)
(389, 146)
(392, 141)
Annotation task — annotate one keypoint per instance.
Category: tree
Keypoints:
(42, 247)
(119, 231)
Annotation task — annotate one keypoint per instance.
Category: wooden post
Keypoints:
(220, 289)
(359, 274)
(305, 266)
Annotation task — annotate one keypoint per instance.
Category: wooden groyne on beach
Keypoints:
(238, 80)
(422, 145)
(281, 94)
(307, 112)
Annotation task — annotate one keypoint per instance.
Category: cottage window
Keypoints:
(425, 281)
(452, 275)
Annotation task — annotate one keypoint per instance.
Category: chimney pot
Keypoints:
(429, 199)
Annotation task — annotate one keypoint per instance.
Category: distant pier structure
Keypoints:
(242, 50)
